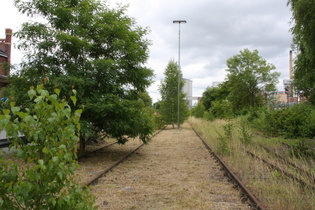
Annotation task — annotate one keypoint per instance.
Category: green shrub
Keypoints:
(45, 182)
(254, 114)
(222, 109)
(301, 148)
(291, 122)
(158, 120)
(198, 110)
(208, 116)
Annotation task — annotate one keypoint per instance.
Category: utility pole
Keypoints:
(178, 109)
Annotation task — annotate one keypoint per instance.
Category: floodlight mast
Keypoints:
(178, 94)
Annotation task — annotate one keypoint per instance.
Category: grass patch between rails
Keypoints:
(271, 187)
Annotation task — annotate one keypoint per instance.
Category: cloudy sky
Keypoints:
(215, 31)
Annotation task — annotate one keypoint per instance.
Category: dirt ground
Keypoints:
(173, 171)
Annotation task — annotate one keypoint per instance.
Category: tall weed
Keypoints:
(246, 136)
(223, 148)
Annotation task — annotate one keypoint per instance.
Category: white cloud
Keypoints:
(215, 31)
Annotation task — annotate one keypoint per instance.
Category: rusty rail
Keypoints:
(255, 203)
(289, 175)
(284, 160)
(100, 174)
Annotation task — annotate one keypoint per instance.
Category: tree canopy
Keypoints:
(249, 76)
(211, 94)
(303, 31)
(169, 94)
(101, 52)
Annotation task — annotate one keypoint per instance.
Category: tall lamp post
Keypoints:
(178, 94)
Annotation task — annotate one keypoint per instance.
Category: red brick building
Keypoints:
(5, 57)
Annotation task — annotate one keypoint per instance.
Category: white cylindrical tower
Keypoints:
(187, 89)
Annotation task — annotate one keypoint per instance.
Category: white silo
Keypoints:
(187, 89)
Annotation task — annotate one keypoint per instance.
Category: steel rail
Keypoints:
(255, 203)
(289, 175)
(100, 174)
(310, 175)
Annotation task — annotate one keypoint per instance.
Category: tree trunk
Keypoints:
(82, 146)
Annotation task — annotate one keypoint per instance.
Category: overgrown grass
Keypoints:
(274, 190)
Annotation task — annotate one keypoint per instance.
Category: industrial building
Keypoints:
(187, 90)
(5, 57)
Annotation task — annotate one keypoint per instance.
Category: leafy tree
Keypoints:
(99, 51)
(45, 181)
(157, 105)
(222, 109)
(145, 97)
(303, 31)
(198, 110)
(169, 94)
(248, 79)
(211, 94)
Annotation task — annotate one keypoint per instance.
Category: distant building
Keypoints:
(5, 57)
(280, 97)
(187, 90)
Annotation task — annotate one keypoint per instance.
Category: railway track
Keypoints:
(282, 171)
(250, 198)
(294, 166)
(255, 203)
(101, 173)
(95, 178)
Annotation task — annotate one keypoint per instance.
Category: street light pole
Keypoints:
(178, 94)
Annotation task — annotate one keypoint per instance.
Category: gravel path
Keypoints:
(173, 171)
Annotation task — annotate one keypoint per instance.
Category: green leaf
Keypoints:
(78, 112)
(6, 111)
(38, 99)
(28, 118)
(39, 87)
(15, 110)
(31, 93)
(74, 92)
(57, 91)
(74, 99)
(41, 162)
(53, 99)
(55, 159)
(44, 93)
(60, 175)
(45, 150)
(62, 147)
(12, 104)
(51, 120)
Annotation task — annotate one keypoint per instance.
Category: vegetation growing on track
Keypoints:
(235, 122)
(274, 190)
